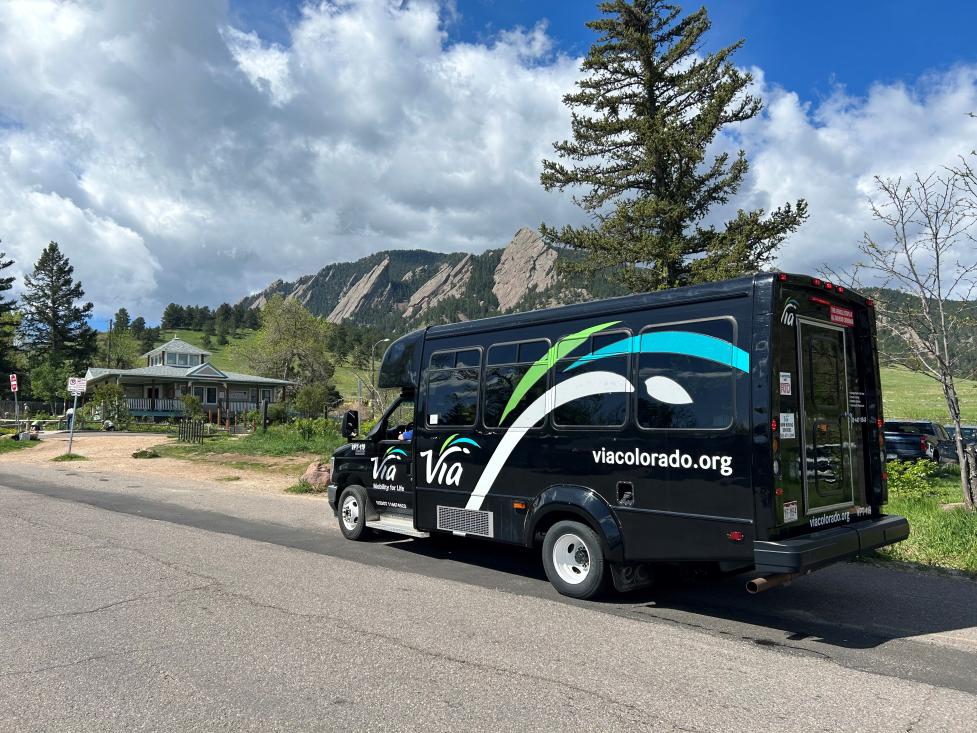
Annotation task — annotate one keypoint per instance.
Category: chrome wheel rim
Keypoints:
(571, 558)
(350, 512)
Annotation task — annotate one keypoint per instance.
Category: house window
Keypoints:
(206, 395)
(171, 359)
(183, 359)
(266, 394)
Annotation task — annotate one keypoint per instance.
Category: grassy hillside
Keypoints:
(223, 357)
(905, 394)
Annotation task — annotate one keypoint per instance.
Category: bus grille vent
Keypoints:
(468, 521)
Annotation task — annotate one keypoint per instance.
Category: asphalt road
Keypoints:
(170, 606)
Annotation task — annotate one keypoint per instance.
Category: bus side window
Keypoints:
(452, 388)
(608, 351)
(507, 365)
(710, 385)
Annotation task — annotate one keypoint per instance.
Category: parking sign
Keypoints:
(13, 382)
(77, 385)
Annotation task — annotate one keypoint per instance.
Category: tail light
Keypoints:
(922, 445)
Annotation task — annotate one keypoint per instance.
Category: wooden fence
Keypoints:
(191, 431)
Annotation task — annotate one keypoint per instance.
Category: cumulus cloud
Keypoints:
(830, 154)
(176, 156)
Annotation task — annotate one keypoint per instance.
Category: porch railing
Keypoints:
(151, 404)
(175, 407)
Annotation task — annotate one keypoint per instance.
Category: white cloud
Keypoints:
(178, 157)
(829, 154)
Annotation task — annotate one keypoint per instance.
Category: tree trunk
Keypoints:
(966, 456)
(969, 478)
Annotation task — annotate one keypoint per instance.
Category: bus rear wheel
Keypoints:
(573, 559)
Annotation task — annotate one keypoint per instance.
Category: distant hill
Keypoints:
(402, 289)
(965, 343)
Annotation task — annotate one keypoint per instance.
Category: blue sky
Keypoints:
(197, 150)
(807, 47)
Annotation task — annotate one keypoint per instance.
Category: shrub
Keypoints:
(912, 480)
(108, 403)
(192, 407)
(277, 412)
(304, 487)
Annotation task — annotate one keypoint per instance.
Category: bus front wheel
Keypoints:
(352, 513)
(573, 559)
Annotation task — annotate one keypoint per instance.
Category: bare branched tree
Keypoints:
(930, 253)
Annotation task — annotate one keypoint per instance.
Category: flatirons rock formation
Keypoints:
(403, 289)
(527, 265)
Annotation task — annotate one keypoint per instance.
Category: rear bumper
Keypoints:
(817, 549)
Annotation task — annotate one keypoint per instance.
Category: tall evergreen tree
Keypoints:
(173, 317)
(121, 322)
(54, 327)
(643, 119)
(137, 327)
(6, 318)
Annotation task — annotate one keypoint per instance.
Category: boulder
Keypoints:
(318, 474)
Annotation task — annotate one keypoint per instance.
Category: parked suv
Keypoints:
(911, 440)
(969, 433)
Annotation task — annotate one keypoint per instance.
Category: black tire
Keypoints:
(574, 560)
(936, 456)
(351, 512)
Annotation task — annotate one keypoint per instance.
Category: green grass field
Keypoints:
(939, 537)
(909, 395)
(9, 446)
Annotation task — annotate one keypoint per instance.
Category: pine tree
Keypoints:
(137, 327)
(6, 319)
(173, 317)
(643, 119)
(55, 326)
(121, 323)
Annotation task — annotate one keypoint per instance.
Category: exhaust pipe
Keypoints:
(758, 585)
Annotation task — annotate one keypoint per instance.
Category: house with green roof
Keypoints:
(178, 368)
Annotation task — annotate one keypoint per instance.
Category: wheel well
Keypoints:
(544, 524)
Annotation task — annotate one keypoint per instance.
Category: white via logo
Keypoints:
(441, 472)
(787, 317)
(386, 469)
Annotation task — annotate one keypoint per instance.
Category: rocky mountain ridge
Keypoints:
(402, 289)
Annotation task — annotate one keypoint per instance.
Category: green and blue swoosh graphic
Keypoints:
(685, 343)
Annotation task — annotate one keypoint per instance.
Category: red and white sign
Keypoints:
(77, 385)
(13, 382)
(842, 316)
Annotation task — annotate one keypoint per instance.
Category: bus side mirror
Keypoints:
(351, 424)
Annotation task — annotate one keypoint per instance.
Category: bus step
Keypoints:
(397, 524)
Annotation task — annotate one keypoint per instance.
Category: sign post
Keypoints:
(76, 386)
(13, 388)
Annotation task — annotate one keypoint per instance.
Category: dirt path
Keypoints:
(113, 453)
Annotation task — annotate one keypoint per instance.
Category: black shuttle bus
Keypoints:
(736, 423)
